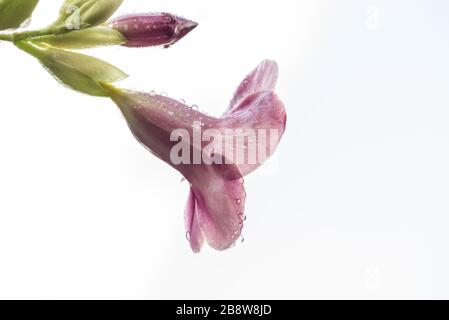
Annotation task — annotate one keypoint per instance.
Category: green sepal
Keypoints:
(81, 14)
(76, 71)
(83, 39)
(15, 12)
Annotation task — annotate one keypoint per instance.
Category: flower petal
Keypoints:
(193, 231)
(261, 120)
(263, 78)
(220, 206)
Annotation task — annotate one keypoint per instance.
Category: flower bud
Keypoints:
(76, 71)
(14, 12)
(152, 29)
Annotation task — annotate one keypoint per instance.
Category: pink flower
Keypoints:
(215, 206)
(152, 29)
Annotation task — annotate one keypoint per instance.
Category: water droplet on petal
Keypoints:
(152, 93)
(241, 181)
(195, 107)
(242, 216)
(238, 201)
(188, 235)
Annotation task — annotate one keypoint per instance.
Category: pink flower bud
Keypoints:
(152, 29)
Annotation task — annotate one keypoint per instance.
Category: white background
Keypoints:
(357, 205)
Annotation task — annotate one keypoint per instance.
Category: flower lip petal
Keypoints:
(219, 209)
(263, 78)
(193, 231)
(263, 114)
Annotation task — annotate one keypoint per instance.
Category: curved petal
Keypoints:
(219, 207)
(193, 231)
(263, 78)
(261, 120)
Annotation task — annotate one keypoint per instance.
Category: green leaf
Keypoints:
(81, 14)
(82, 39)
(14, 12)
(76, 71)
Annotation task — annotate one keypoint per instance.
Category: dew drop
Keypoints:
(241, 181)
(164, 94)
(195, 107)
(188, 235)
(238, 201)
(152, 93)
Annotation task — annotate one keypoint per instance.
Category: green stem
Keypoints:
(18, 36)
(31, 34)
(6, 37)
